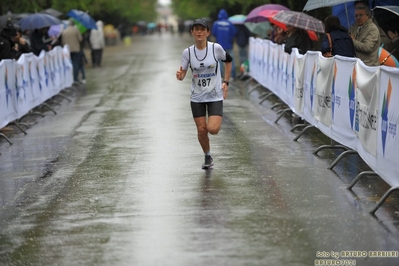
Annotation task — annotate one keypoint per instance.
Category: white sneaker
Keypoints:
(83, 81)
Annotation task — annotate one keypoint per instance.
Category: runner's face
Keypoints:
(200, 32)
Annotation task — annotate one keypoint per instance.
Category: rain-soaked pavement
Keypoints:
(114, 178)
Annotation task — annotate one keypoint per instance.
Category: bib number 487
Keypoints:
(204, 82)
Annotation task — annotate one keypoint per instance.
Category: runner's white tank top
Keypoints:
(206, 85)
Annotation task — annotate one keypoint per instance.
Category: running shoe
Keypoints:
(208, 162)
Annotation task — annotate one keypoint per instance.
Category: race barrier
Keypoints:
(351, 103)
(29, 82)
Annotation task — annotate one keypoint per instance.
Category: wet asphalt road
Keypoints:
(115, 178)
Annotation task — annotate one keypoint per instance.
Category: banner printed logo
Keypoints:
(8, 91)
(312, 85)
(293, 77)
(384, 115)
(335, 99)
(351, 95)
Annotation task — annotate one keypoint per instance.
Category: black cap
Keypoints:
(200, 21)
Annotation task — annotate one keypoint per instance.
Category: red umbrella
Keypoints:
(254, 15)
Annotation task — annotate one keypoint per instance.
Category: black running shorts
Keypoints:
(214, 108)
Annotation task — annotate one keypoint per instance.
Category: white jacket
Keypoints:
(97, 37)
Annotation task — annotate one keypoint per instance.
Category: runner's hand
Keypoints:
(225, 88)
(180, 74)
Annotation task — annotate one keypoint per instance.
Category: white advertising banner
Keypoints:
(344, 101)
(283, 75)
(367, 112)
(290, 80)
(30, 81)
(388, 120)
(8, 112)
(323, 94)
(265, 76)
(299, 81)
(309, 88)
(251, 56)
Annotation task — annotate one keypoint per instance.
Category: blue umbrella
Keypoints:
(83, 18)
(151, 25)
(238, 19)
(38, 21)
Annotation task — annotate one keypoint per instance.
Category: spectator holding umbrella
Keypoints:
(39, 40)
(366, 38)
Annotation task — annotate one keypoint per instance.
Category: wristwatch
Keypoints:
(225, 81)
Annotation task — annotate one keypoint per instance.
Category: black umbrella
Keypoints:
(14, 18)
(387, 17)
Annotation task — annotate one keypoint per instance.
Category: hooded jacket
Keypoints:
(97, 41)
(224, 31)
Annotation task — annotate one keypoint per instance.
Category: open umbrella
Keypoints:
(237, 19)
(298, 20)
(387, 17)
(314, 4)
(83, 18)
(386, 58)
(52, 11)
(254, 15)
(261, 29)
(38, 21)
(151, 25)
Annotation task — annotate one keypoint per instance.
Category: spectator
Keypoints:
(39, 40)
(280, 35)
(394, 35)
(342, 43)
(71, 36)
(22, 45)
(97, 44)
(242, 40)
(225, 32)
(366, 39)
(297, 38)
(384, 39)
(7, 36)
(83, 60)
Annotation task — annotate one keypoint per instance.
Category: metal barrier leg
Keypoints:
(276, 105)
(266, 97)
(324, 147)
(31, 113)
(357, 178)
(282, 113)
(383, 199)
(49, 107)
(63, 96)
(19, 127)
(303, 132)
(5, 137)
(254, 88)
(334, 163)
(298, 126)
(248, 81)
